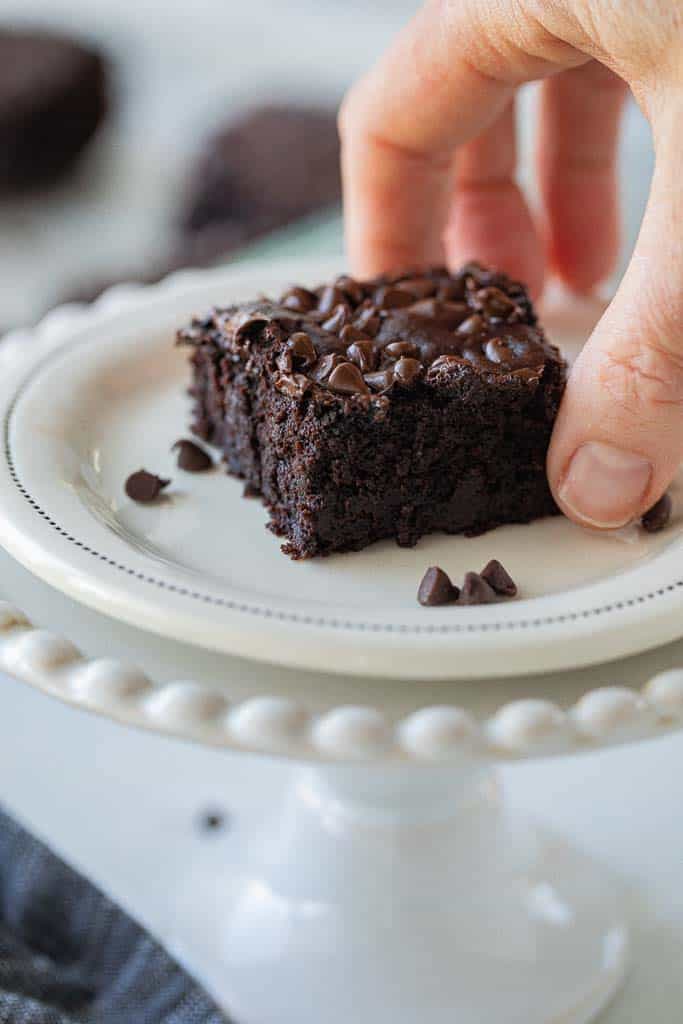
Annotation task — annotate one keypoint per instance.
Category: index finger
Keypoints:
(439, 85)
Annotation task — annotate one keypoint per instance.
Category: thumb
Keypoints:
(618, 440)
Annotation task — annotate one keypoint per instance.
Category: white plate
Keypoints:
(98, 394)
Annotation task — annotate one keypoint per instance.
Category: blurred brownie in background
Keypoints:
(53, 97)
(271, 167)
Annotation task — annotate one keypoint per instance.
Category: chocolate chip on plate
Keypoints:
(476, 590)
(145, 487)
(657, 517)
(191, 457)
(499, 578)
(436, 588)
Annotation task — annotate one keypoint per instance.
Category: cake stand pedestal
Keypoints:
(403, 895)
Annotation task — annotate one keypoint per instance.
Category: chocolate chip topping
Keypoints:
(407, 370)
(408, 331)
(657, 517)
(299, 299)
(436, 588)
(475, 590)
(191, 457)
(380, 381)
(389, 297)
(302, 349)
(348, 380)
(364, 354)
(145, 487)
(499, 578)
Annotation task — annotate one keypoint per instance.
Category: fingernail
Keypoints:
(604, 485)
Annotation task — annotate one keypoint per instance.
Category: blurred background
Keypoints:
(147, 193)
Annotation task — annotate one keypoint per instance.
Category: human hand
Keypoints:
(428, 155)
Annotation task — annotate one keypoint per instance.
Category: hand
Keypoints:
(428, 154)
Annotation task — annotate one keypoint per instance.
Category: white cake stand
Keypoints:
(392, 883)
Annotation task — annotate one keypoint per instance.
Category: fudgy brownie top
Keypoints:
(364, 340)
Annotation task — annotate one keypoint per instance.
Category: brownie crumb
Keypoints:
(657, 517)
(145, 487)
(191, 457)
(499, 578)
(436, 588)
(475, 590)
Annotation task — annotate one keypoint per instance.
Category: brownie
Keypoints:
(261, 172)
(53, 96)
(385, 408)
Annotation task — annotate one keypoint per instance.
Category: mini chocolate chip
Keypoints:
(657, 517)
(407, 370)
(499, 578)
(425, 307)
(249, 325)
(368, 322)
(452, 291)
(476, 590)
(380, 381)
(494, 302)
(145, 487)
(472, 325)
(364, 354)
(390, 297)
(347, 379)
(330, 298)
(191, 457)
(251, 491)
(302, 348)
(351, 333)
(339, 318)
(445, 314)
(351, 288)
(436, 588)
(325, 366)
(293, 385)
(401, 348)
(418, 287)
(299, 299)
(498, 350)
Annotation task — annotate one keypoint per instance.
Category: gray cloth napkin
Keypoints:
(68, 955)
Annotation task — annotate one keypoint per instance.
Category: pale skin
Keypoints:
(428, 153)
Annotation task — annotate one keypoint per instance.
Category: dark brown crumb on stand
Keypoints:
(145, 487)
(192, 458)
(475, 590)
(499, 578)
(657, 517)
(436, 588)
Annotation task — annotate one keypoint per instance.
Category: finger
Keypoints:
(619, 436)
(439, 85)
(489, 218)
(577, 159)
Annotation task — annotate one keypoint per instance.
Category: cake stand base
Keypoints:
(404, 896)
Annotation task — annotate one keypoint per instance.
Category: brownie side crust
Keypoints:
(387, 408)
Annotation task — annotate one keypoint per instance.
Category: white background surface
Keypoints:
(122, 805)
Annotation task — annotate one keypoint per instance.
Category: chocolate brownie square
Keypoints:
(53, 96)
(394, 407)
